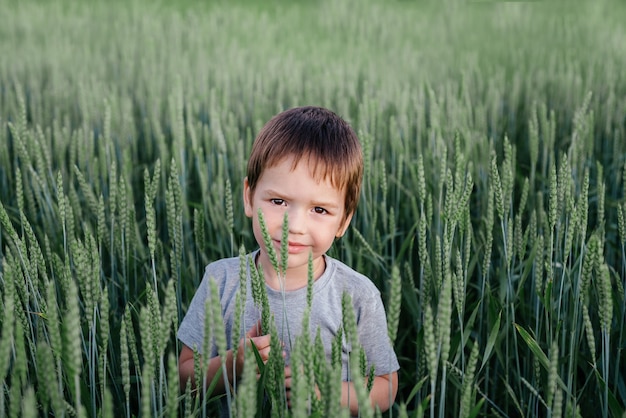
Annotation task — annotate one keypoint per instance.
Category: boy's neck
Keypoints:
(294, 279)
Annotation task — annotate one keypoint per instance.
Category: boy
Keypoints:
(307, 162)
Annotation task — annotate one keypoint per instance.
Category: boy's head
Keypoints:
(322, 139)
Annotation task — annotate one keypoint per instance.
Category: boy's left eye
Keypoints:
(319, 210)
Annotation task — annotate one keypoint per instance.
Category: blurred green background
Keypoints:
(93, 94)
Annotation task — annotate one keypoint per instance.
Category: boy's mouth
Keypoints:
(292, 247)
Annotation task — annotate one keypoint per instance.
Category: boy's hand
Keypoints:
(261, 342)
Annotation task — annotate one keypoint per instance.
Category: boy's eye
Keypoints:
(278, 202)
(319, 210)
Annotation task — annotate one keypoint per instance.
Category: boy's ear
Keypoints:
(247, 198)
(344, 226)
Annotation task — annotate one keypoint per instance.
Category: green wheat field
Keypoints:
(492, 217)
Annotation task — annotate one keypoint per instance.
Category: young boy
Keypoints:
(307, 162)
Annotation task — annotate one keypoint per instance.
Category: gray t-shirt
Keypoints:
(326, 312)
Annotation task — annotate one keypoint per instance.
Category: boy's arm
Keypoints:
(186, 363)
(186, 370)
(382, 395)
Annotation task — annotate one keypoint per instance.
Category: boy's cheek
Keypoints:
(344, 227)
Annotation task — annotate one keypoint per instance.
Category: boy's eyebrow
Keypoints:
(326, 204)
(272, 192)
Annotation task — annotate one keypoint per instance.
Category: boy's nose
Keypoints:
(297, 221)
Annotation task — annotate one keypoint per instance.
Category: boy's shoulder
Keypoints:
(222, 270)
(224, 264)
(349, 279)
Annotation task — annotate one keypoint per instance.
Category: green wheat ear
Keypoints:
(259, 294)
(310, 281)
(395, 299)
(284, 245)
(267, 240)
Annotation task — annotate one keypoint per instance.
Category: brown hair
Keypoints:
(319, 135)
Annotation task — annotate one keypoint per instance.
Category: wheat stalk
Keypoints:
(468, 383)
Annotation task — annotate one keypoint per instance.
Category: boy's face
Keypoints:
(315, 210)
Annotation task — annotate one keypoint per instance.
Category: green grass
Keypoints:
(494, 139)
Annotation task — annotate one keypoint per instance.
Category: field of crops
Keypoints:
(492, 217)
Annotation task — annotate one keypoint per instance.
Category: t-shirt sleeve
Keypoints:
(373, 336)
(191, 329)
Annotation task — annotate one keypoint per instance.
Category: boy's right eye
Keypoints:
(278, 202)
